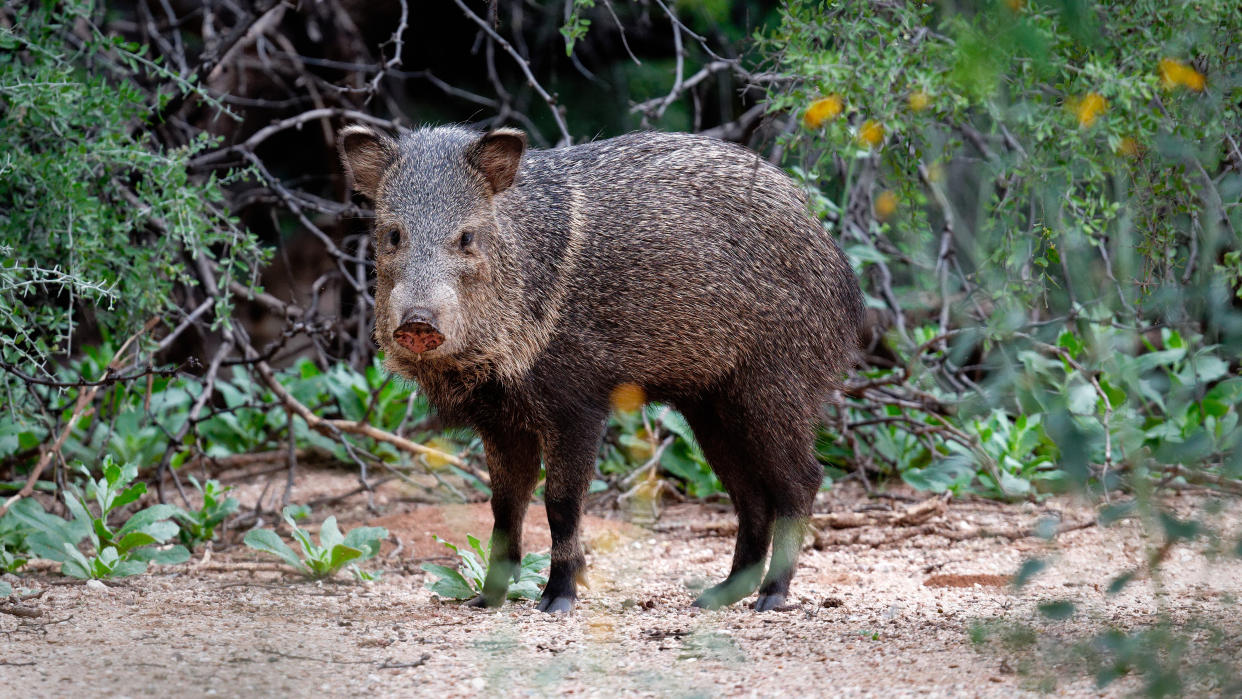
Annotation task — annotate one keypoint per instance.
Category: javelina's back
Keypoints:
(680, 259)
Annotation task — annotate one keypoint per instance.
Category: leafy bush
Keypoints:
(1043, 200)
(329, 556)
(115, 551)
(1069, 196)
(466, 580)
(95, 220)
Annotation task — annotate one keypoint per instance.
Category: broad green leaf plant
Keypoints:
(466, 580)
(323, 560)
(114, 550)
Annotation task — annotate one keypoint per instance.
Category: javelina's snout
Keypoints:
(418, 332)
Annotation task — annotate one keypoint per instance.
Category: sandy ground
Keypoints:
(867, 619)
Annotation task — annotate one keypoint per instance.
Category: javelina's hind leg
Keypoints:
(570, 461)
(792, 476)
(513, 463)
(726, 450)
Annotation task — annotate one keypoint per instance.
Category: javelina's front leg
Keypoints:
(570, 456)
(513, 463)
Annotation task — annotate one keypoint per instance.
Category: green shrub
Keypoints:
(95, 218)
(1046, 209)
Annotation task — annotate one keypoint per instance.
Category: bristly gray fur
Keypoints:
(687, 266)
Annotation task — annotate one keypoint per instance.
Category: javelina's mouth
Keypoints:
(418, 337)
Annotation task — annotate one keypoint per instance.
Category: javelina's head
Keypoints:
(438, 247)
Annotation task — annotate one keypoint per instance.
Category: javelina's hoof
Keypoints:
(486, 602)
(556, 605)
(767, 603)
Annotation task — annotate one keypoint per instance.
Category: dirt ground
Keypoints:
(878, 610)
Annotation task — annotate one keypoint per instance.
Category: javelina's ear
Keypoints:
(497, 156)
(367, 154)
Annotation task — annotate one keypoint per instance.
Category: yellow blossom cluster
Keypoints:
(822, 110)
(1174, 74)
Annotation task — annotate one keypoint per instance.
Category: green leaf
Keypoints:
(171, 555)
(535, 563)
(953, 471)
(134, 540)
(309, 549)
(1081, 396)
(292, 513)
(75, 564)
(126, 568)
(1013, 485)
(1119, 583)
(5, 589)
(268, 541)
(130, 494)
(1116, 396)
(329, 534)
(364, 575)
(342, 554)
(147, 519)
(1209, 368)
(524, 589)
(77, 508)
(1110, 514)
(1176, 529)
(475, 569)
(1068, 341)
(1161, 358)
(450, 584)
(1057, 610)
(366, 539)
(1029, 568)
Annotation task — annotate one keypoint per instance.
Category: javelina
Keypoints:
(520, 287)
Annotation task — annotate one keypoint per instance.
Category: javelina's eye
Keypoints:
(467, 237)
(394, 238)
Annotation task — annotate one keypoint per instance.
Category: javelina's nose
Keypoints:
(418, 332)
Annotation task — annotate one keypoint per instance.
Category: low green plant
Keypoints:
(334, 550)
(115, 551)
(466, 580)
(199, 526)
(11, 561)
(13, 549)
(630, 445)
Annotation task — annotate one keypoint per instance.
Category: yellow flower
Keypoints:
(822, 110)
(1015, 5)
(871, 133)
(918, 101)
(1089, 108)
(436, 462)
(628, 397)
(1174, 73)
(885, 205)
(1128, 147)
